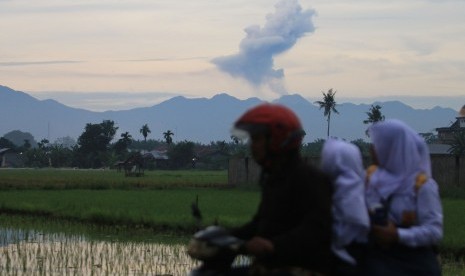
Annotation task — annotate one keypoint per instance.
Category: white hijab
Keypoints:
(402, 154)
(343, 162)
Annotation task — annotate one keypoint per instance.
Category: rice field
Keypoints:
(134, 208)
(60, 254)
(83, 201)
(95, 179)
(35, 253)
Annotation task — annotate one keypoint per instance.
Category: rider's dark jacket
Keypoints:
(295, 214)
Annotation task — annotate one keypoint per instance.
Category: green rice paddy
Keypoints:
(118, 225)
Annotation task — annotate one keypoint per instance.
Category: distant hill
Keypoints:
(200, 119)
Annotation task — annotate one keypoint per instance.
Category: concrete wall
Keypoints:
(448, 171)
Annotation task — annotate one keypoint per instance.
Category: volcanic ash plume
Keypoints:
(254, 62)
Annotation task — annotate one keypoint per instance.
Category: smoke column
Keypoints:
(254, 61)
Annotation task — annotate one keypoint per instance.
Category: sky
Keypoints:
(121, 54)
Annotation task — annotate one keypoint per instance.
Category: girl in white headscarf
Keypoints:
(342, 161)
(401, 182)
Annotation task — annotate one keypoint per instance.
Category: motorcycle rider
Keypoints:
(290, 233)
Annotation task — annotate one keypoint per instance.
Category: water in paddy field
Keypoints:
(28, 252)
(32, 252)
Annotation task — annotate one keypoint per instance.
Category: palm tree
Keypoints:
(329, 105)
(145, 130)
(167, 135)
(123, 143)
(374, 115)
(126, 138)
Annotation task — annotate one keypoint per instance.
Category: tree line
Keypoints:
(97, 147)
(328, 104)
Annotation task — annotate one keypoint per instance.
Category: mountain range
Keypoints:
(200, 120)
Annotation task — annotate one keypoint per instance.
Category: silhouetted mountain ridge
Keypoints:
(200, 119)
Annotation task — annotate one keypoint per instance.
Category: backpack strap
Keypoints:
(409, 218)
(420, 180)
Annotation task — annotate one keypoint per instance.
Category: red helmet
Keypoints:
(282, 125)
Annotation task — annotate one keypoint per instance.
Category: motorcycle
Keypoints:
(215, 249)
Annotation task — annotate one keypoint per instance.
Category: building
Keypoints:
(10, 159)
(446, 134)
(3, 156)
(157, 158)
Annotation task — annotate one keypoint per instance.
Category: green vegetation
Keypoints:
(454, 225)
(107, 179)
(374, 115)
(97, 147)
(452, 248)
(170, 209)
(103, 201)
(453, 192)
(453, 268)
(89, 231)
(157, 209)
(159, 199)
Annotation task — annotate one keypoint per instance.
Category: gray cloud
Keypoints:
(255, 60)
(164, 59)
(27, 63)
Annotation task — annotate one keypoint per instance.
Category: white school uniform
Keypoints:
(343, 162)
(414, 206)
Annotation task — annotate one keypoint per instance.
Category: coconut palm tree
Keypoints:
(145, 130)
(374, 115)
(123, 143)
(329, 105)
(126, 138)
(167, 135)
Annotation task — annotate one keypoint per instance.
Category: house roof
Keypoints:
(202, 152)
(2, 150)
(157, 154)
(453, 127)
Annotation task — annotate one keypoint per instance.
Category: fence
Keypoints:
(448, 170)
(246, 172)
